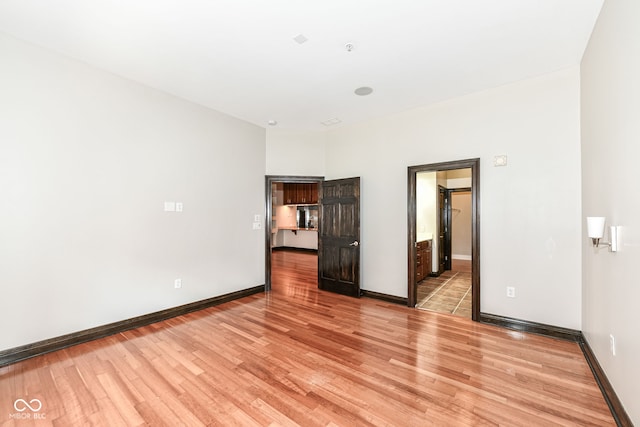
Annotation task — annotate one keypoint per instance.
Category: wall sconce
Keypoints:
(595, 230)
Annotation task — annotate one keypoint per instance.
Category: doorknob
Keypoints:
(355, 243)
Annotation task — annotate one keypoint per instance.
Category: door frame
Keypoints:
(269, 181)
(474, 165)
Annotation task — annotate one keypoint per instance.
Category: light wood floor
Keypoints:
(298, 356)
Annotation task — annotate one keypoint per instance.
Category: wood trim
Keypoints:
(384, 297)
(294, 249)
(269, 181)
(474, 165)
(27, 351)
(615, 405)
(412, 237)
(532, 327)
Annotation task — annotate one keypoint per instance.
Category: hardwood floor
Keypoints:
(299, 356)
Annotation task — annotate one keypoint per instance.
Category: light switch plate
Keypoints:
(257, 225)
(169, 206)
(612, 344)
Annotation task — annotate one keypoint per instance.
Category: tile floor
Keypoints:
(448, 293)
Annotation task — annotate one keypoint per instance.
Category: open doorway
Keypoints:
(318, 216)
(454, 221)
(443, 237)
(291, 228)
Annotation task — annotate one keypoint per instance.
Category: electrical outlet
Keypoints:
(179, 206)
(177, 283)
(612, 344)
(257, 225)
(511, 292)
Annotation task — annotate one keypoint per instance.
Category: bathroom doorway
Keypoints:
(443, 237)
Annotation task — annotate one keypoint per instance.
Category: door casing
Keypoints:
(474, 165)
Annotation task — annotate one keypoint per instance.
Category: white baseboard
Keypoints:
(461, 257)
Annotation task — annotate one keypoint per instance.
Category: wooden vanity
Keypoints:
(423, 260)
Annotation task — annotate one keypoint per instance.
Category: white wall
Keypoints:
(86, 161)
(300, 239)
(426, 206)
(530, 210)
(295, 153)
(610, 153)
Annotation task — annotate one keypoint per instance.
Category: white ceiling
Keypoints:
(239, 56)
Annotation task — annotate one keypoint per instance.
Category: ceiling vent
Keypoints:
(331, 122)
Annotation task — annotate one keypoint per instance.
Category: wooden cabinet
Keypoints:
(300, 194)
(288, 193)
(307, 193)
(423, 260)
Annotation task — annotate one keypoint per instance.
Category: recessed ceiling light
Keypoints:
(300, 38)
(363, 91)
(272, 123)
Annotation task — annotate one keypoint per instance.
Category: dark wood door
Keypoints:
(339, 236)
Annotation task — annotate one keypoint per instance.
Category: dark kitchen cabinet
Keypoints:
(300, 194)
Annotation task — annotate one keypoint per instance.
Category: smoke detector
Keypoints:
(300, 38)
